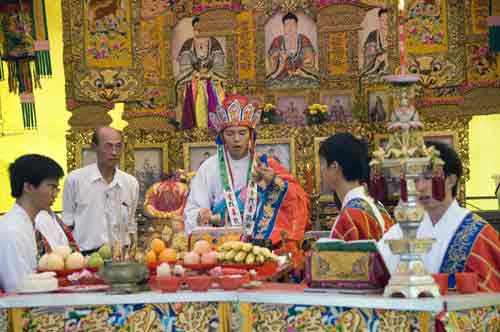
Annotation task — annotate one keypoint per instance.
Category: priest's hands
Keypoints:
(262, 173)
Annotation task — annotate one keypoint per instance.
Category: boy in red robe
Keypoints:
(344, 165)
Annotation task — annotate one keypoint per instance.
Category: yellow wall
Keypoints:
(49, 139)
(484, 152)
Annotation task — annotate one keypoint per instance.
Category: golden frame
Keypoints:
(163, 160)
(87, 146)
(349, 92)
(388, 91)
(439, 135)
(277, 141)
(79, 154)
(303, 93)
(187, 150)
(317, 171)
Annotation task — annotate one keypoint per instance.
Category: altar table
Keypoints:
(273, 308)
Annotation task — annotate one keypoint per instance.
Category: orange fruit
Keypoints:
(168, 255)
(157, 245)
(151, 258)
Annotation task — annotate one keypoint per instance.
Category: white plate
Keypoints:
(38, 291)
(83, 288)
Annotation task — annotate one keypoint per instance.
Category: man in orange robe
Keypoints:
(244, 188)
(463, 241)
(344, 166)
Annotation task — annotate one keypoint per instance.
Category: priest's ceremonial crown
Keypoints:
(235, 111)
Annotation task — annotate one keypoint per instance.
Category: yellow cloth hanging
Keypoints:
(219, 91)
(201, 108)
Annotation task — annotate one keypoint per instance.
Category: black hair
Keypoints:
(195, 20)
(289, 16)
(452, 162)
(95, 137)
(382, 11)
(33, 169)
(349, 152)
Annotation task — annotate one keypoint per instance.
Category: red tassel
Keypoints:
(438, 186)
(403, 189)
(377, 187)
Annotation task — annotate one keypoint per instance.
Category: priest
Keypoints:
(241, 188)
(463, 241)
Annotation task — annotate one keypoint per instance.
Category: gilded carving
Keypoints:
(108, 85)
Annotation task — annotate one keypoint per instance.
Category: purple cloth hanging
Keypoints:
(212, 102)
(188, 115)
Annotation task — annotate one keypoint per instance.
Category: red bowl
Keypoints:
(267, 269)
(199, 283)
(167, 284)
(232, 281)
(199, 267)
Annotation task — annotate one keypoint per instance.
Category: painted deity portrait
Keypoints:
(378, 106)
(199, 70)
(148, 169)
(339, 107)
(291, 51)
(291, 109)
(373, 47)
(195, 154)
(280, 152)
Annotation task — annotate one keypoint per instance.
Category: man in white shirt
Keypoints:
(463, 241)
(34, 181)
(99, 194)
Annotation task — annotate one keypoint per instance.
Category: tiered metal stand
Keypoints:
(406, 157)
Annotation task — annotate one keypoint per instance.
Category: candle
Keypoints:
(402, 58)
(309, 179)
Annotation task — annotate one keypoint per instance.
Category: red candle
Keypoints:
(309, 179)
(402, 58)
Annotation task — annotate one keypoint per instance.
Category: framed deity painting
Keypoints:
(447, 137)
(320, 186)
(291, 109)
(291, 51)
(379, 102)
(196, 154)
(339, 105)
(281, 150)
(150, 163)
(85, 155)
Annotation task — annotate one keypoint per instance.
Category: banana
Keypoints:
(238, 245)
(250, 259)
(255, 250)
(220, 256)
(260, 259)
(226, 246)
(240, 256)
(247, 247)
(266, 252)
(230, 255)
